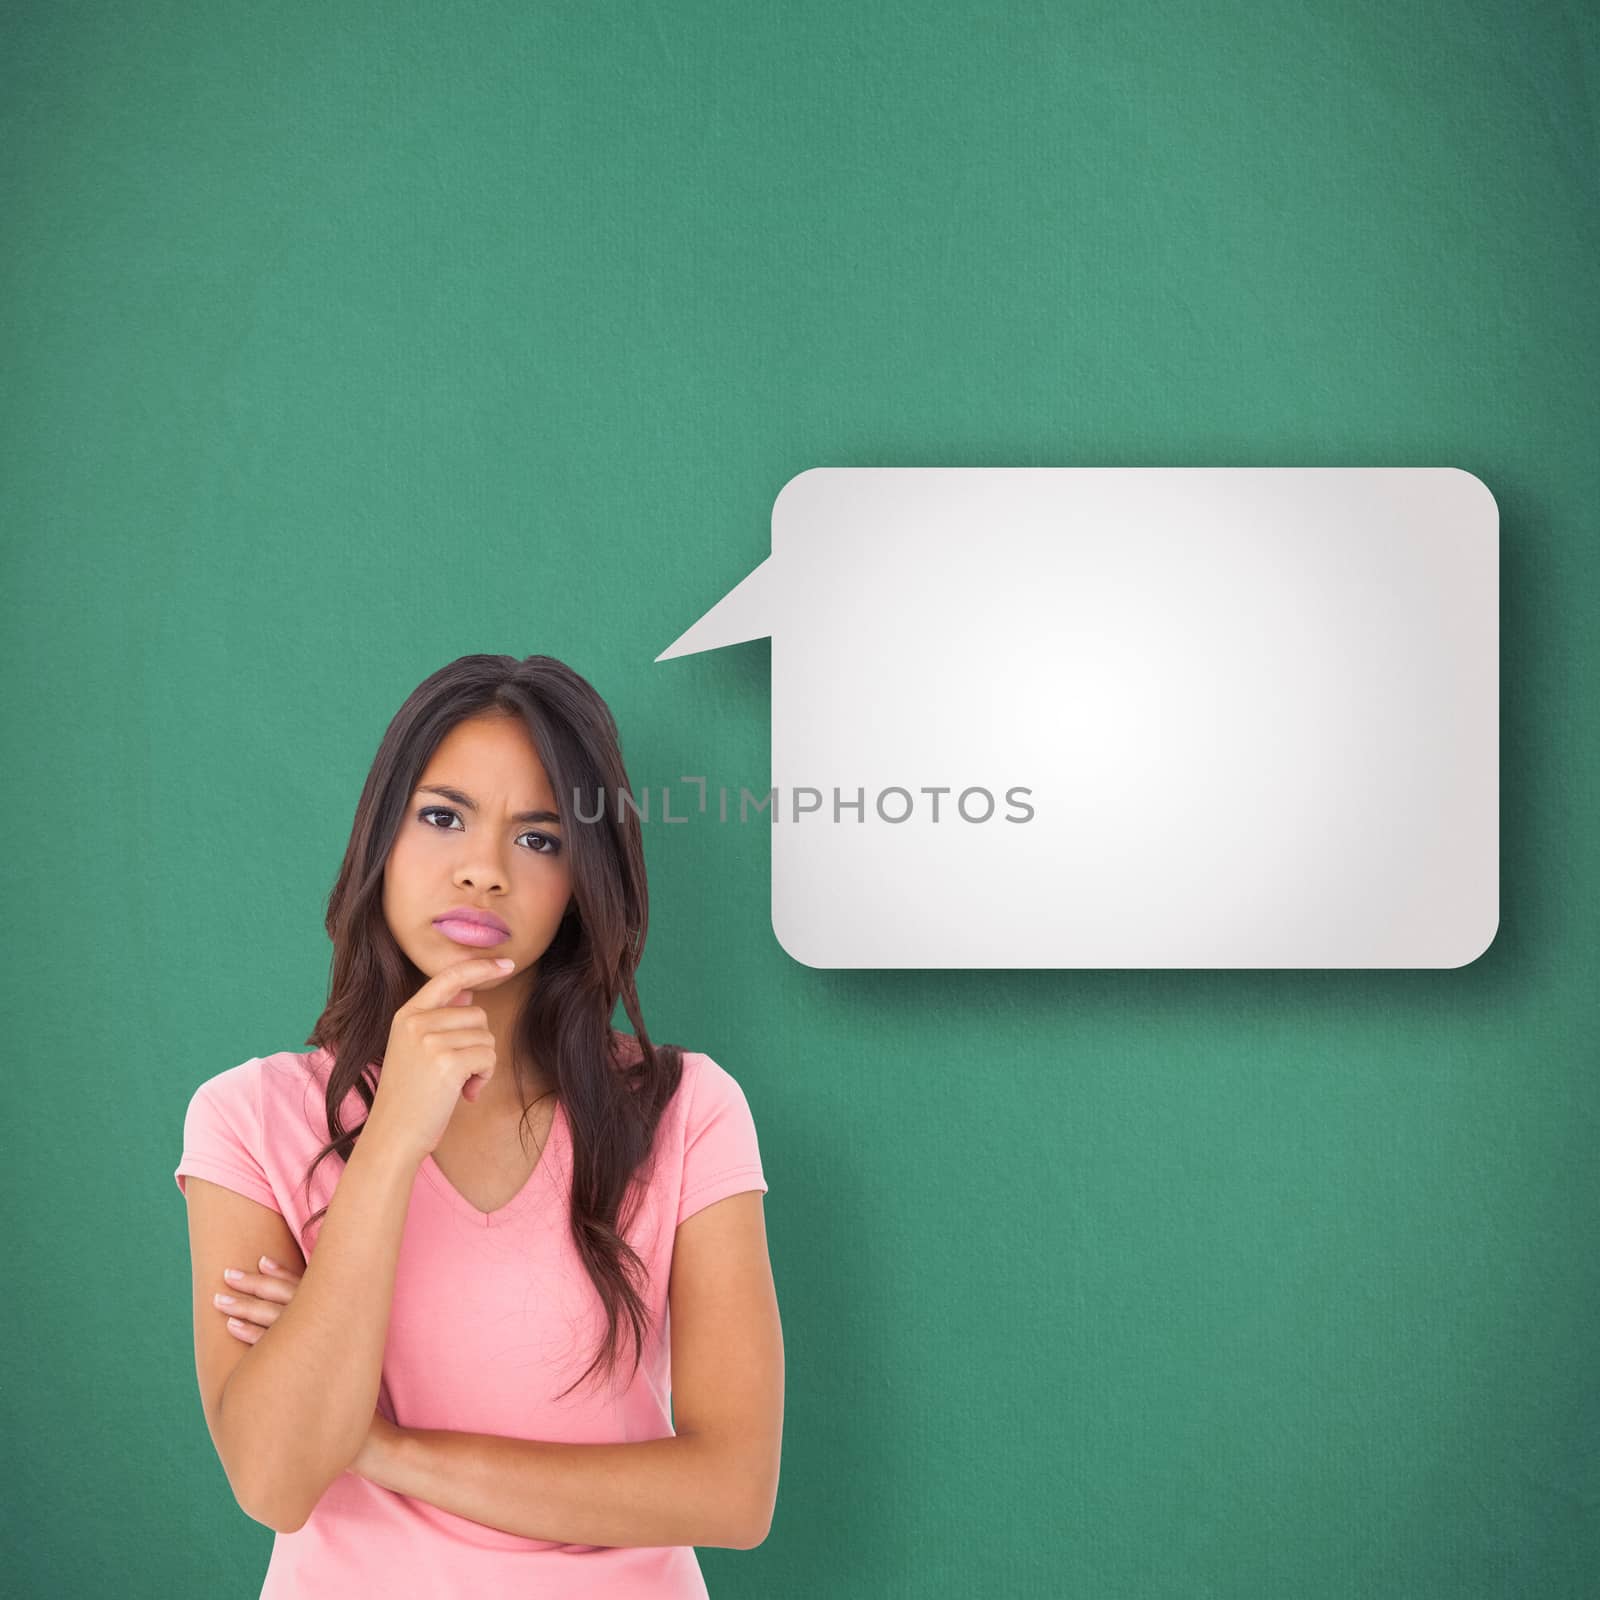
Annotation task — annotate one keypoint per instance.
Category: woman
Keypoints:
(474, 1237)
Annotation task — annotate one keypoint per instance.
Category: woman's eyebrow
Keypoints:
(472, 805)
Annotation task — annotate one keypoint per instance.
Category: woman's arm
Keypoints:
(675, 1490)
(714, 1482)
(297, 1408)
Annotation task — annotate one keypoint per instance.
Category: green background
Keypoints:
(339, 341)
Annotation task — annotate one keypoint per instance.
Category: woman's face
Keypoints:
(474, 848)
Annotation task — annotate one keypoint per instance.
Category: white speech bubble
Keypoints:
(1255, 711)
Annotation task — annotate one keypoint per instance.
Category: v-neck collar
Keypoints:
(555, 1145)
(522, 1199)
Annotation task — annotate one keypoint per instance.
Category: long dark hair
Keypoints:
(612, 1088)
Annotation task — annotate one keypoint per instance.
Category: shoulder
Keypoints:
(294, 1086)
(259, 1072)
(625, 1053)
(708, 1099)
(714, 1135)
(237, 1089)
(703, 1085)
(707, 1082)
(222, 1133)
(709, 1105)
(256, 1097)
(258, 1127)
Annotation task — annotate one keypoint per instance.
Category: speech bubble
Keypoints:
(1130, 716)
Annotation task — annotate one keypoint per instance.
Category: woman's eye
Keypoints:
(445, 811)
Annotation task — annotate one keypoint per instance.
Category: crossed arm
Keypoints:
(676, 1490)
(712, 1483)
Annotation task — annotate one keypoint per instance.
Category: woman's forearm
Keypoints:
(296, 1409)
(681, 1489)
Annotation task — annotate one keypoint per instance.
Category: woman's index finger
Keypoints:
(443, 988)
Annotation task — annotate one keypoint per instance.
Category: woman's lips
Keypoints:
(473, 933)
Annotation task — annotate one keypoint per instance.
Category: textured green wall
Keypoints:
(342, 340)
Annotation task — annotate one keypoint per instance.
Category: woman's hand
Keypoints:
(441, 1051)
(252, 1302)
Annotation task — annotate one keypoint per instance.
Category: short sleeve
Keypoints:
(721, 1155)
(222, 1135)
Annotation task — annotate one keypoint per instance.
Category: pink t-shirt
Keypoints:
(493, 1315)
